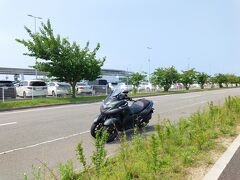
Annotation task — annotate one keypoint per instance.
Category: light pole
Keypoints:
(188, 65)
(35, 29)
(149, 55)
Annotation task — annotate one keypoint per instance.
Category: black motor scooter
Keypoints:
(119, 115)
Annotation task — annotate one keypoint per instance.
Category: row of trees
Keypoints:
(166, 77)
(71, 63)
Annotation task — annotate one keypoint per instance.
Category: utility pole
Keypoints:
(149, 56)
(127, 78)
(35, 29)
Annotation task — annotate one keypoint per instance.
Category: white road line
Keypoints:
(6, 124)
(42, 143)
(188, 97)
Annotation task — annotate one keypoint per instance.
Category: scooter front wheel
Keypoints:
(96, 127)
(111, 131)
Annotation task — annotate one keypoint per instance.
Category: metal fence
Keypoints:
(13, 93)
(7, 93)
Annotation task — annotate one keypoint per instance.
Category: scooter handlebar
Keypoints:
(128, 98)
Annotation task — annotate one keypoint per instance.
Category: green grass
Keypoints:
(167, 153)
(48, 101)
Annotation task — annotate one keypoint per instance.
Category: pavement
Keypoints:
(50, 134)
(232, 170)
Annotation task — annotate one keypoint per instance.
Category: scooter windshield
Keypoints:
(113, 95)
(116, 92)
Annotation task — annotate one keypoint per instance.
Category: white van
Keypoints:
(32, 88)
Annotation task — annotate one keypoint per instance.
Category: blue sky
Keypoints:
(204, 34)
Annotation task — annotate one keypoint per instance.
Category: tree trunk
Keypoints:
(187, 86)
(73, 89)
(166, 88)
(202, 86)
(134, 90)
(220, 85)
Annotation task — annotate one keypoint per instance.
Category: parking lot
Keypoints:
(39, 89)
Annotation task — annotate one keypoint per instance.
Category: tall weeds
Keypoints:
(99, 155)
(168, 151)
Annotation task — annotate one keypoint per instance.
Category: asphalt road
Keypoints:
(232, 170)
(51, 134)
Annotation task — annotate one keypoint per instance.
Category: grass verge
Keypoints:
(48, 101)
(66, 100)
(167, 154)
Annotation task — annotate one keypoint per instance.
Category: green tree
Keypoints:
(232, 79)
(212, 80)
(61, 59)
(238, 81)
(220, 79)
(187, 78)
(202, 78)
(165, 77)
(135, 79)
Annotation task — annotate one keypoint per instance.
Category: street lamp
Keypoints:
(149, 55)
(35, 29)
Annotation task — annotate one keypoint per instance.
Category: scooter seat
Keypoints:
(139, 105)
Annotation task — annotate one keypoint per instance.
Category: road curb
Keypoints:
(223, 161)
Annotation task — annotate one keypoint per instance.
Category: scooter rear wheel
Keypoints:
(142, 122)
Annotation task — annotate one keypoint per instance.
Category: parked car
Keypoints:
(100, 86)
(31, 88)
(125, 86)
(58, 88)
(84, 88)
(8, 88)
(177, 86)
(195, 86)
(146, 87)
(113, 85)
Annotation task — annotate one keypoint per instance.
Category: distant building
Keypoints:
(111, 75)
